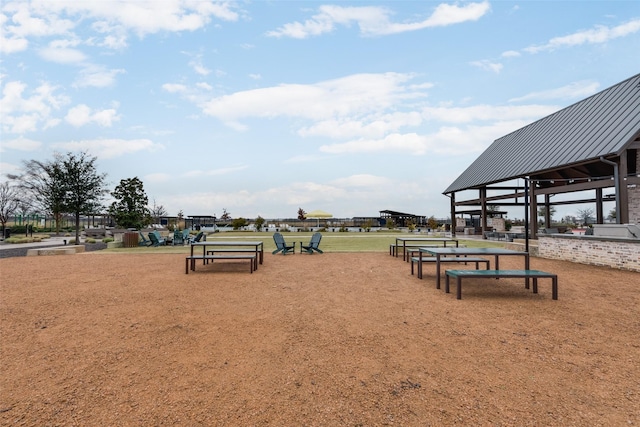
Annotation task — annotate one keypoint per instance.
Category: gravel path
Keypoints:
(7, 252)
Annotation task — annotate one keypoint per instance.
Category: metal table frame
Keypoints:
(495, 252)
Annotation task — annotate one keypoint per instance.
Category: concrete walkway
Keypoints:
(52, 241)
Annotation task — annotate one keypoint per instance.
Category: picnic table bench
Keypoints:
(526, 274)
(476, 260)
(236, 250)
(206, 258)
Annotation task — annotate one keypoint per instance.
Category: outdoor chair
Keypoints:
(156, 238)
(313, 244)
(144, 241)
(281, 245)
(197, 238)
(178, 238)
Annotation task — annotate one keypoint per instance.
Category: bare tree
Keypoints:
(226, 216)
(8, 203)
(157, 212)
(42, 186)
(585, 215)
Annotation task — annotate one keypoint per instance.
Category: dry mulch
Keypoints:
(315, 340)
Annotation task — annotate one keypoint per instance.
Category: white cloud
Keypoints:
(20, 144)
(22, 113)
(371, 126)
(447, 140)
(97, 76)
(511, 54)
(62, 55)
(461, 115)
(362, 180)
(488, 65)
(174, 88)
(373, 20)
(8, 168)
(197, 66)
(22, 20)
(204, 85)
(82, 115)
(596, 35)
(576, 90)
(217, 172)
(348, 96)
(158, 177)
(109, 148)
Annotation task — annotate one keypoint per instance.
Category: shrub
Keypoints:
(107, 240)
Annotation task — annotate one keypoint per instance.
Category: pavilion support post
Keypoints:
(599, 207)
(453, 214)
(483, 215)
(547, 210)
(533, 208)
(616, 179)
(623, 211)
(526, 214)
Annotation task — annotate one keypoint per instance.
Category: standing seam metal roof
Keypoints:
(601, 125)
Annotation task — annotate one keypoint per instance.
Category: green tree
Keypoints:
(613, 214)
(238, 223)
(302, 215)
(543, 210)
(129, 210)
(259, 223)
(432, 222)
(84, 186)
(492, 211)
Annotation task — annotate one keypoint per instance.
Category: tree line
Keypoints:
(70, 184)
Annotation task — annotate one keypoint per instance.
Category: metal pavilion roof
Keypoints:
(602, 125)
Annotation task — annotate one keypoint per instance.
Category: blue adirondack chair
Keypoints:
(197, 238)
(180, 237)
(156, 238)
(144, 241)
(282, 246)
(313, 244)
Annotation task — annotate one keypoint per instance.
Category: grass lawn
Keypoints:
(331, 242)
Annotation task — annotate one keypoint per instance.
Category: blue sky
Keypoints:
(264, 107)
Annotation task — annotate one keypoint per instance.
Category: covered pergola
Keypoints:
(586, 148)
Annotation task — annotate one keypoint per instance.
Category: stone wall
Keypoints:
(634, 205)
(634, 198)
(623, 254)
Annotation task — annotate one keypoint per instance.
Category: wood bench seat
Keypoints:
(206, 258)
(525, 274)
(476, 260)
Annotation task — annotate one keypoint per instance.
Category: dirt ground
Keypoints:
(338, 339)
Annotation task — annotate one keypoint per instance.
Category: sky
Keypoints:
(259, 108)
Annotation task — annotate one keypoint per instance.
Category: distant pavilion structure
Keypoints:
(589, 146)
